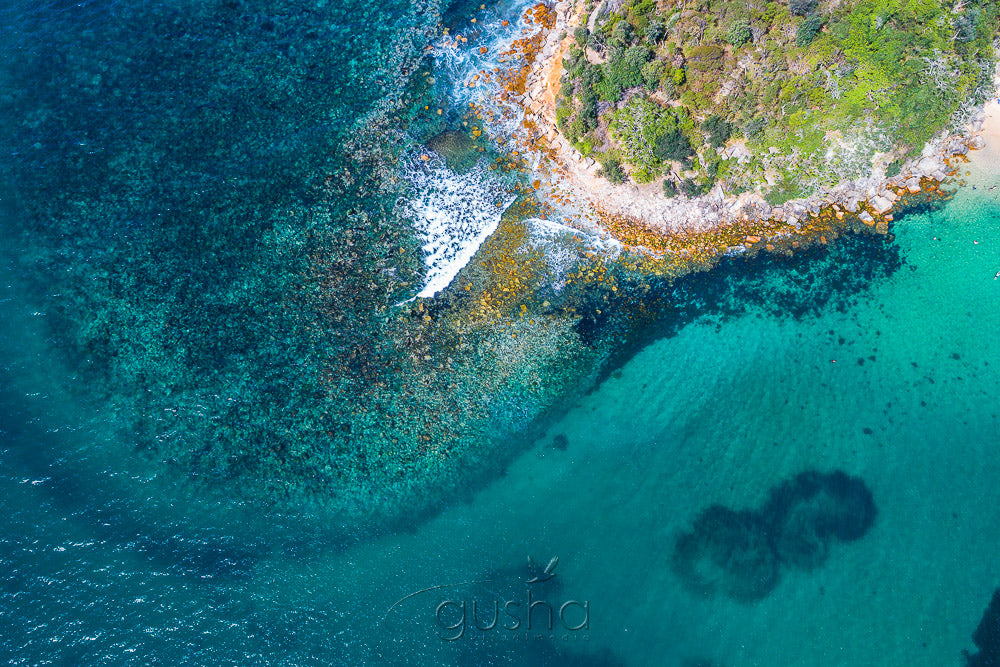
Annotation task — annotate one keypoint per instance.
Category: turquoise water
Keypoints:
(898, 389)
(202, 369)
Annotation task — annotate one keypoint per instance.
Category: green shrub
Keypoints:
(754, 128)
(671, 145)
(655, 31)
(642, 175)
(712, 164)
(693, 188)
(648, 134)
(623, 71)
(669, 189)
(802, 7)
(653, 73)
(588, 108)
(612, 170)
(808, 30)
(563, 112)
(706, 58)
(622, 35)
(641, 9)
(576, 129)
(718, 130)
(668, 87)
(739, 33)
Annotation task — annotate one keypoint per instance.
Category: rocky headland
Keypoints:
(640, 216)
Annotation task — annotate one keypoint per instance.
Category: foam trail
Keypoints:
(456, 64)
(453, 214)
(565, 246)
(543, 231)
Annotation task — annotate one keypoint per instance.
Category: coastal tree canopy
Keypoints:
(812, 89)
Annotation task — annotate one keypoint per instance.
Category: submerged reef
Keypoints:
(232, 277)
(987, 637)
(727, 552)
(808, 512)
(739, 553)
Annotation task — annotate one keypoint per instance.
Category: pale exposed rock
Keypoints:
(927, 165)
(737, 150)
(880, 204)
(866, 217)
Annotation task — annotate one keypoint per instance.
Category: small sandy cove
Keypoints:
(985, 163)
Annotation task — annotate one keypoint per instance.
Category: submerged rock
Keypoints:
(457, 148)
(740, 553)
(987, 637)
(727, 552)
(806, 513)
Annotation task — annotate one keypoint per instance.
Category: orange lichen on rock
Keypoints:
(526, 49)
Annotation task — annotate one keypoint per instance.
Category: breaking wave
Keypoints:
(453, 215)
(564, 246)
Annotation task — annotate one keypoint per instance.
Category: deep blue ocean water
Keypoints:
(200, 257)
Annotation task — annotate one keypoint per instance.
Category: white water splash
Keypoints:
(565, 246)
(456, 64)
(453, 214)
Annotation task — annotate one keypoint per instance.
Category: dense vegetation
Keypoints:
(812, 89)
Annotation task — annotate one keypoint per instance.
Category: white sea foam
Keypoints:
(564, 246)
(456, 65)
(453, 214)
